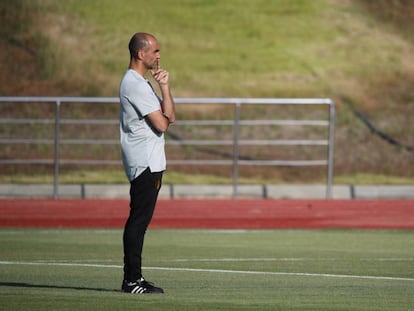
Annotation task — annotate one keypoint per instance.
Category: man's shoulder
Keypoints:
(134, 80)
(133, 76)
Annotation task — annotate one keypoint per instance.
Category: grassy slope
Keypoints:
(285, 48)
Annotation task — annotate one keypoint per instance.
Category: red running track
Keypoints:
(212, 214)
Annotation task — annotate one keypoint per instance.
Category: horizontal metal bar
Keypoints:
(27, 121)
(253, 101)
(89, 122)
(26, 141)
(284, 163)
(199, 142)
(204, 122)
(26, 161)
(170, 142)
(285, 122)
(62, 121)
(250, 101)
(251, 162)
(90, 162)
(183, 122)
(89, 141)
(174, 162)
(253, 122)
(248, 142)
(29, 141)
(52, 99)
(200, 162)
(62, 161)
(284, 142)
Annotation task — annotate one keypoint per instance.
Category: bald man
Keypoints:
(144, 117)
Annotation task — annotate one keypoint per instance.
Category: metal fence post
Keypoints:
(331, 141)
(56, 152)
(236, 134)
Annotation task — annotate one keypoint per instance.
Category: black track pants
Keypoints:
(143, 196)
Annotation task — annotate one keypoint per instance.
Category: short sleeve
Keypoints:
(143, 98)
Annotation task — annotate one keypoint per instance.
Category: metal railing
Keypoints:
(235, 142)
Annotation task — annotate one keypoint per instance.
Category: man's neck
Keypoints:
(138, 67)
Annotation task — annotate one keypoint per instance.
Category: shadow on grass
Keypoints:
(27, 285)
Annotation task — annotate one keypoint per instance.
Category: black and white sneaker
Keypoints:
(141, 287)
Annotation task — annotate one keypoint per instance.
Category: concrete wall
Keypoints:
(177, 191)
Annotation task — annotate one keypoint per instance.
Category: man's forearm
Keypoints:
(168, 105)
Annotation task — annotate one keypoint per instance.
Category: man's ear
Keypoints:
(140, 54)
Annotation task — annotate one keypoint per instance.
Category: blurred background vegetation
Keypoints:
(360, 53)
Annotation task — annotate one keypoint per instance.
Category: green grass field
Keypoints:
(210, 270)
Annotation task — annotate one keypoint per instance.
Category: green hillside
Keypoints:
(356, 52)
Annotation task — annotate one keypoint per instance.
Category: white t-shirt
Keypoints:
(141, 145)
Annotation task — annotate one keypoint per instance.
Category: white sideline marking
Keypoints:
(28, 263)
(50, 263)
(285, 273)
(234, 259)
(259, 259)
(277, 259)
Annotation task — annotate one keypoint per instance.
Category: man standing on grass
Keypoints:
(144, 117)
